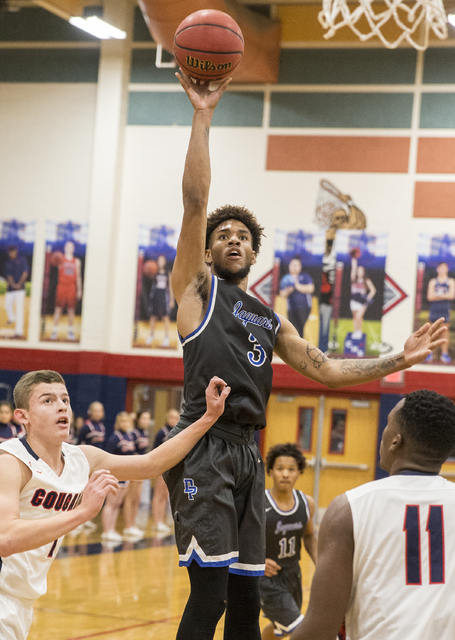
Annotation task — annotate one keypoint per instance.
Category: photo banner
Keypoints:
(17, 241)
(297, 279)
(155, 309)
(435, 290)
(63, 283)
(358, 294)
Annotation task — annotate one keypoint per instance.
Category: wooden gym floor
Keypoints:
(132, 591)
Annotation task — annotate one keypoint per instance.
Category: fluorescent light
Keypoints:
(451, 19)
(98, 28)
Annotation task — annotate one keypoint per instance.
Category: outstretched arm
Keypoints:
(332, 582)
(166, 456)
(190, 260)
(311, 362)
(16, 534)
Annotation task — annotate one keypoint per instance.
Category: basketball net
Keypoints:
(415, 20)
(329, 200)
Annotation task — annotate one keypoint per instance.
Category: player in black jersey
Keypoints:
(289, 520)
(217, 492)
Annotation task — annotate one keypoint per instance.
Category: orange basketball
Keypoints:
(56, 258)
(208, 45)
(150, 268)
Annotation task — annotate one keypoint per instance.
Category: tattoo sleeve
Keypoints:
(316, 356)
(374, 368)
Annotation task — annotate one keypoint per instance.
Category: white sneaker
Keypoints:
(133, 532)
(165, 342)
(77, 530)
(71, 335)
(149, 339)
(54, 335)
(162, 527)
(90, 526)
(111, 536)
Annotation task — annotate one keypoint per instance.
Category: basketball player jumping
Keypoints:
(386, 550)
(45, 490)
(217, 492)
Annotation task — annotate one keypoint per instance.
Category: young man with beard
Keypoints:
(217, 492)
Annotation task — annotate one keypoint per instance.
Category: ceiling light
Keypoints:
(98, 28)
(451, 19)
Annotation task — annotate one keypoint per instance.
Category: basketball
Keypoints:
(56, 258)
(208, 45)
(150, 268)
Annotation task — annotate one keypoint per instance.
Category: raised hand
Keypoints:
(100, 484)
(215, 395)
(423, 341)
(199, 93)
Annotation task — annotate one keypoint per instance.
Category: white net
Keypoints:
(415, 20)
(329, 200)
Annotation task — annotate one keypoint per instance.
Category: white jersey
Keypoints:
(404, 559)
(23, 575)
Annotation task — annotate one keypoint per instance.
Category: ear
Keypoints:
(397, 442)
(21, 416)
(208, 256)
(253, 258)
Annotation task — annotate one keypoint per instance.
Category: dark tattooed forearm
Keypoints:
(376, 368)
(316, 356)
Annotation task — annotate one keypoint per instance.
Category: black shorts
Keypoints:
(159, 303)
(281, 599)
(218, 501)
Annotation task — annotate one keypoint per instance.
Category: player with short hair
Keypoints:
(386, 556)
(49, 487)
(217, 492)
(297, 287)
(289, 520)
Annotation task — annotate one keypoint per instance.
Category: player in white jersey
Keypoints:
(49, 487)
(386, 556)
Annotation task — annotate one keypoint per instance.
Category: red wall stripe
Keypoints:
(338, 153)
(436, 155)
(434, 200)
(170, 370)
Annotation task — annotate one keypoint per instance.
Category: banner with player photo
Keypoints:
(358, 294)
(435, 290)
(297, 279)
(155, 309)
(16, 255)
(63, 283)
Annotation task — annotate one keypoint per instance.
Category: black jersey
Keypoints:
(284, 529)
(235, 341)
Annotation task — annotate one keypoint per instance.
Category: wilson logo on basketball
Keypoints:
(206, 65)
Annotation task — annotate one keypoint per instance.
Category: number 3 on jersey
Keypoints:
(435, 529)
(257, 356)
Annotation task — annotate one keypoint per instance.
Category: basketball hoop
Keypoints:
(415, 20)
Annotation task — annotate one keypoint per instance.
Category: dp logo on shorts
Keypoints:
(190, 488)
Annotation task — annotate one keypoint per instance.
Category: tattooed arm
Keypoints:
(311, 362)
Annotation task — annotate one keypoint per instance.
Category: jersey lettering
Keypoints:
(435, 529)
(286, 552)
(190, 488)
(257, 356)
(51, 552)
(53, 500)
